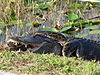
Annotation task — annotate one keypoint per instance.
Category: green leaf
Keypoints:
(29, 24)
(6, 68)
(39, 0)
(92, 27)
(16, 21)
(72, 16)
(2, 23)
(50, 3)
(65, 29)
(13, 0)
(49, 29)
(24, 34)
(28, 1)
(95, 32)
(81, 35)
(44, 6)
(75, 6)
(0, 31)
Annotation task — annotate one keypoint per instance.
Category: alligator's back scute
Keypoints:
(50, 34)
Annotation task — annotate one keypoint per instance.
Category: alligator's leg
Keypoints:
(69, 49)
(75, 48)
(45, 48)
(48, 48)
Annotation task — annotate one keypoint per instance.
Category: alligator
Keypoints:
(77, 47)
(34, 43)
(57, 43)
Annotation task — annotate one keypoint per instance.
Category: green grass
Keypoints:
(46, 64)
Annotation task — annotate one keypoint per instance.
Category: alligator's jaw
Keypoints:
(20, 46)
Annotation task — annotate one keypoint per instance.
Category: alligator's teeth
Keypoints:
(25, 45)
(19, 50)
(18, 43)
(15, 43)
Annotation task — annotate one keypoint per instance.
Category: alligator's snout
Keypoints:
(17, 45)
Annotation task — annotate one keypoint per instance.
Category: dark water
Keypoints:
(95, 37)
(52, 19)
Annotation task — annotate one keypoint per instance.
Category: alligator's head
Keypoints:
(35, 43)
(24, 43)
